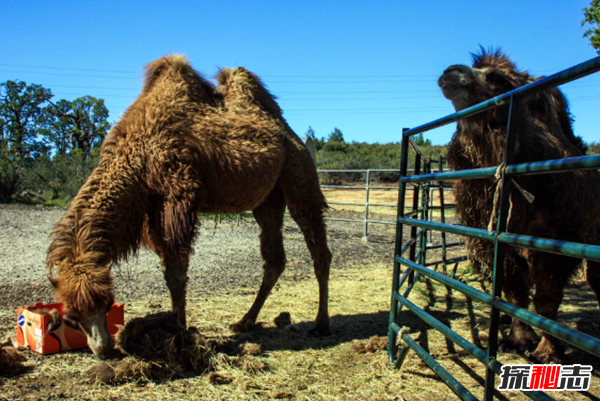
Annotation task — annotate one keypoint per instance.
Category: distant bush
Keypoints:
(58, 178)
(9, 181)
(362, 156)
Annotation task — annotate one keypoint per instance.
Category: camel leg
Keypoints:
(551, 274)
(592, 275)
(516, 288)
(174, 267)
(308, 214)
(173, 250)
(269, 216)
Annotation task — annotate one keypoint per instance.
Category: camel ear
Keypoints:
(53, 281)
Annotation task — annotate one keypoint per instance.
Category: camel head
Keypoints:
(456, 83)
(491, 75)
(86, 292)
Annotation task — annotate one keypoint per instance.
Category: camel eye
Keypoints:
(495, 78)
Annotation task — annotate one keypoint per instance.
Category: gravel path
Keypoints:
(226, 257)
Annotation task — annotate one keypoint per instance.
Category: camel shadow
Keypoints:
(345, 328)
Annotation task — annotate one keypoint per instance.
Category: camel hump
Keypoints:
(245, 88)
(175, 67)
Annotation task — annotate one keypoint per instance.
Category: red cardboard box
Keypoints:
(38, 329)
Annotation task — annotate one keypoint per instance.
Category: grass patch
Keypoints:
(291, 364)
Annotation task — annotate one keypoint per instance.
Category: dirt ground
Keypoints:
(225, 274)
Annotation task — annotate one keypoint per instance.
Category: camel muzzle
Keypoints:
(99, 339)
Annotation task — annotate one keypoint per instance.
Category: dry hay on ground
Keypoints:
(157, 349)
(303, 368)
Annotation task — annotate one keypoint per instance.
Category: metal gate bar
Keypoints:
(415, 266)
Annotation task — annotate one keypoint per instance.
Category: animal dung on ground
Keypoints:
(219, 378)
(43, 329)
(375, 343)
(158, 348)
(10, 359)
(249, 349)
(282, 320)
(123, 371)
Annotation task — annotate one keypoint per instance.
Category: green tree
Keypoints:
(21, 115)
(90, 124)
(336, 136)
(593, 148)
(420, 141)
(78, 125)
(311, 133)
(592, 17)
(58, 127)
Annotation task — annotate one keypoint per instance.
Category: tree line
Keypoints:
(47, 147)
(334, 153)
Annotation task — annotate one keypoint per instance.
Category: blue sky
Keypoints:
(367, 68)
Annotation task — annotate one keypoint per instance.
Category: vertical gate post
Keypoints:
(392, 336)
(414, 233)
(366, 227)
(442, 215)
(500, 248)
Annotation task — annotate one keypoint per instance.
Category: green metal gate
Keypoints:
(420, 225)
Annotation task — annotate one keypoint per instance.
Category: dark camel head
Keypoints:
(456, 83)
(491, 75)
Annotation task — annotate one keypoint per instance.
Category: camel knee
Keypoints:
(176, 282)
(323, 267)
(272, 270)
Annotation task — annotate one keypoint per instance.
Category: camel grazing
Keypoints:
(565, 205)
(182, 148)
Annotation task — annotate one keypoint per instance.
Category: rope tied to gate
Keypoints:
(399, 341)
(526, 194)
(494, 216)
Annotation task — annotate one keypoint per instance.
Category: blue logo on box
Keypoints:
(21, 320)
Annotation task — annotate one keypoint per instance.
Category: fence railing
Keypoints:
(367, 187)
(415, 263)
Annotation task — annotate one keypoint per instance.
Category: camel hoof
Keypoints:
(245, 326)
(319, 332)
(548, 352)
(545, 358)
(515, 347)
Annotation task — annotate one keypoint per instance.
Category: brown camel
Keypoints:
(565, 205)
(185, 147)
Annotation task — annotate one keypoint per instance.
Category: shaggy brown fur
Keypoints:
(565, 207)
(185, 147)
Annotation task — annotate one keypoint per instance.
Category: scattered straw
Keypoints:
(252, 365)
(279, 394)
(158, 349)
